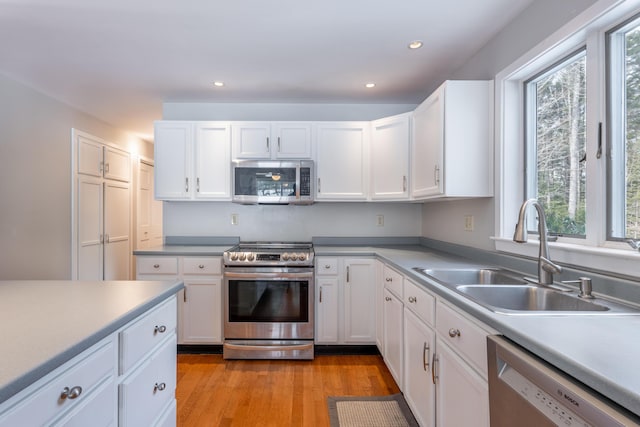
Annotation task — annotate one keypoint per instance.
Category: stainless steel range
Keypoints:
(268, 301)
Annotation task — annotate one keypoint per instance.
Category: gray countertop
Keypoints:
(43, 324)
(184, 250)
(602, 352)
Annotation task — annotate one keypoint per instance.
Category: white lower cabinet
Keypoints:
(114, 382)
(419, 390)
(436, 354)
(393, 336)
(345, 300)
(200, 302)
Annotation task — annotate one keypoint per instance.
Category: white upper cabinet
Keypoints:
(99, 160)
(266, 140)
(452, 149)
(192, 161)
(342, 161)
(390, 158)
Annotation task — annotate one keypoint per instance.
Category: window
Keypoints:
(555, 111)
(624, 137)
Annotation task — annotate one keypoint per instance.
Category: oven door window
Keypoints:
(268, 301)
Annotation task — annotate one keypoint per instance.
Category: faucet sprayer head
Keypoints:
(520, 234)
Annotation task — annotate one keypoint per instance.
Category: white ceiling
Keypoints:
(119, 60)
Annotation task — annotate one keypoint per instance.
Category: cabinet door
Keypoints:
(393, 340)
(212, 161)
(327, 310)
(89, 156)
(251, 140)
(342, 161)
(359, 301)
(390, 158)
(116, 231)
(419, 390)
(90, 228)
(201, 314)
(463, 396)
(380, 306)
(172, 153)
(426, 150)
(292, 141)
(117, 164)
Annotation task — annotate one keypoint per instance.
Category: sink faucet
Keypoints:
(546, 268)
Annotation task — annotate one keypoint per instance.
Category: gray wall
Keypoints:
(35, 189)
(445, 220)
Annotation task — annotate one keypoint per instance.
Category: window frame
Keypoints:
(594, 252)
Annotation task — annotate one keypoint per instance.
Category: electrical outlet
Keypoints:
(234, 219)
(380, 220)
(468, 223)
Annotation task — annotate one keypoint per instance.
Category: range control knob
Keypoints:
(251, 256)
(285, 256)
(234, 256)
(242, 256)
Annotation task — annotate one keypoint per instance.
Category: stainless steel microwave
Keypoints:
(273, 182)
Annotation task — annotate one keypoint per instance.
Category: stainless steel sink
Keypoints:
(520, 299)
(472, 276)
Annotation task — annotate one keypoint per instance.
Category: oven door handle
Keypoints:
(269, 276)
(269, 347)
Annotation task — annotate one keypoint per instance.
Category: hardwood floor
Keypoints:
(215, 392)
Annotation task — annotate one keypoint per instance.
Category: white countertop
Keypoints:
(45, 323)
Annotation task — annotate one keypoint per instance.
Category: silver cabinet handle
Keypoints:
(347, 274)
(425, 356)
(156, 266)
(434, 377)
(319, 187)
(267, 144)
(413, 300)
(197, 184)
(389, 279)
(387, 298)
(159, 387)
(278, 144)
(71, 393)
(160, 329)
(320, 298)
(106, 238)
(404, 183)
(186, 184)
(201, 266)
(454, 332)
(106, 167)
(327, 266)
(436, 174)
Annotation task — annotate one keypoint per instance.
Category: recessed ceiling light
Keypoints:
(416, 44)
(218, 84)
(370, 85)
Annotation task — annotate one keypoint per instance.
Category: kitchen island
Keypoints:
(54, 328)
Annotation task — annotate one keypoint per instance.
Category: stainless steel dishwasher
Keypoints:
(524, 390)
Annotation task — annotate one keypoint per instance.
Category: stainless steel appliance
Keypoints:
(524, 390)
(268, 301)
(273, 182)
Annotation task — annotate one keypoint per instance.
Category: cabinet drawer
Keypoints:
(201, 265)
(326, 266)
(147, 332)
(393, 281)
(86, 372)
(465, 336)
(99, 409)
(150, 387)
(419, 301)
(157, 265)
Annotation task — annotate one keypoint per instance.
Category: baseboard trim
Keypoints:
(319, 349)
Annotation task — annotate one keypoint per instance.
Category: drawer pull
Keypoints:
(389, 279)
(327, 266)
(71, 393)
(156, 265)
(161, 329)
(425, 357)
(413, 300)
(387, 298)
(454, 333)
(201, 266)
(159, 387)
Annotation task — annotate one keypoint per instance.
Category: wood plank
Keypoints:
(236, 393)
